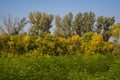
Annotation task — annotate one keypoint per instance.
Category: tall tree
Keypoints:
(64, 26)
(11, 26)
(103, 26)
(84, 23)
(58, 30)
(88, 22)
(67, 25)
(77, 24)
(41, 23)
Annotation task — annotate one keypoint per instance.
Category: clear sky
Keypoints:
(22, 8)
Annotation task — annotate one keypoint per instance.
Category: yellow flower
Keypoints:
(61, 39)
(75, 38)
(26, 38)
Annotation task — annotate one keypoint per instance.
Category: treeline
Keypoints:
(79, 34)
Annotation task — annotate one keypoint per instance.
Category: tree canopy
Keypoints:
(40, 23)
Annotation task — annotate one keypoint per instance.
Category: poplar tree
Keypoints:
(88, 21)
(64, 26)
(104, 25)
(67, 25)
(84, 23)
(40, 23)
(58, 27)
(77, 24)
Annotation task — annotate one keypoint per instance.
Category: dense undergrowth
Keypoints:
(68, 67)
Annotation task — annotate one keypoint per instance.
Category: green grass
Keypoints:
(69, 67)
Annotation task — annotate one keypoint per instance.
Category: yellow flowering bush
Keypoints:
(76, 38)
(50, 45)
(95, 45)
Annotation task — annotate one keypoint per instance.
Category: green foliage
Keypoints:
(97, 67)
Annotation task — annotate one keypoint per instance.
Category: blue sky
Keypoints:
(22, 8)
